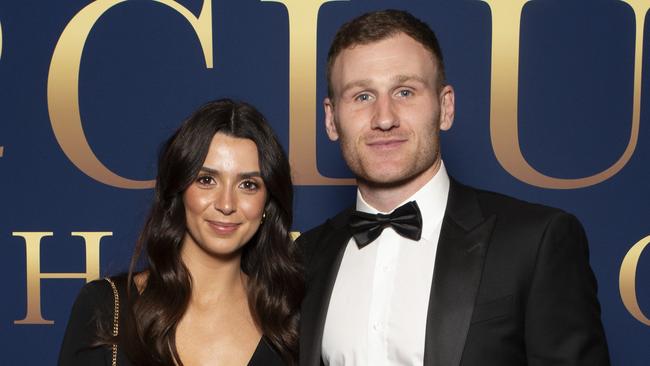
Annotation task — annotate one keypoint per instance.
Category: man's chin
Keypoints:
(394, 178)
(385, 181)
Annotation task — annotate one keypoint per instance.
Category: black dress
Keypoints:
(94, 306)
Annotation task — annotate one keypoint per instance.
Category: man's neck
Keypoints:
(386, 198)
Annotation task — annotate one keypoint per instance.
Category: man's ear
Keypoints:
(330, 123)
(447, 100)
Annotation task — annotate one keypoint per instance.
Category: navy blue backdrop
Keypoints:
(569, 72)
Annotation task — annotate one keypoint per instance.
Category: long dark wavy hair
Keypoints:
(270, 259)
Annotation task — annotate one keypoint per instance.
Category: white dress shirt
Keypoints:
(378, 310)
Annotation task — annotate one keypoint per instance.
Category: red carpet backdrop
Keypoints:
(552, 107)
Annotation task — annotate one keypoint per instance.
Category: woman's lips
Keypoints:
(223, 228)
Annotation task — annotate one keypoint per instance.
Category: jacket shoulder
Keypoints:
(310, 240)
(530, 225)
(517, 209)
(469, 206)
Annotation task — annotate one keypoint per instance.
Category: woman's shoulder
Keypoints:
(91, 314)
(95, 304)
(102, 289)
(94, 295)
(96, 301)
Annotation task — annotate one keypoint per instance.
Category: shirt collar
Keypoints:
(431, 199)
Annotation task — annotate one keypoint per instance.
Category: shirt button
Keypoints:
(376, 326)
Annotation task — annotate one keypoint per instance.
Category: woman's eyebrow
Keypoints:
(242, 175)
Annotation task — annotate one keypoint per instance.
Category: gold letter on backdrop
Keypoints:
(506, 17)
(627, 280)
(303, 29)
(34, 274)
(63, 86)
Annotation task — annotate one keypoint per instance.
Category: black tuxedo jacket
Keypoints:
(511, 285)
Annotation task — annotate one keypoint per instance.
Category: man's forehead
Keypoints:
(382, 49)
(399, 37)
(367, 68)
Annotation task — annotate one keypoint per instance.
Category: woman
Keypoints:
(221, 283)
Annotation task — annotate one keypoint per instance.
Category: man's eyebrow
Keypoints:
(243, 175)
(405, 78)
(363, 83)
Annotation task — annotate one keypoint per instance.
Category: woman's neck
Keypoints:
(214, 280)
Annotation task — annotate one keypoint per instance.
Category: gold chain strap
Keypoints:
(116, 319)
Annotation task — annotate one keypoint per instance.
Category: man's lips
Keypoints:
(385, 143)
(223, 228)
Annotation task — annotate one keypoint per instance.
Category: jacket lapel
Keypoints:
(325, 268)
(463, 243)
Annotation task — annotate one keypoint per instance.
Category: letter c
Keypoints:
(627, 280)
(63, 86)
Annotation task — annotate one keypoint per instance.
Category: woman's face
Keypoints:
(225, 203)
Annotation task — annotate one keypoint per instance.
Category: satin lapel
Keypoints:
(463, 243)
(325, 267)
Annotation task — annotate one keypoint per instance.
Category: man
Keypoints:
(455, 276)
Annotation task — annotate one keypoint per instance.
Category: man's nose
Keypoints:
(385, 117)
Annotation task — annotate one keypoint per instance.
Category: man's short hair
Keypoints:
(377, 26)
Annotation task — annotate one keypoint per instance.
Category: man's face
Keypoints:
(387, 110)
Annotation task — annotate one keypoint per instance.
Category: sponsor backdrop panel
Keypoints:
(552, 107)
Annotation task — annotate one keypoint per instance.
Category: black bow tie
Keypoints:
(406, 220)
